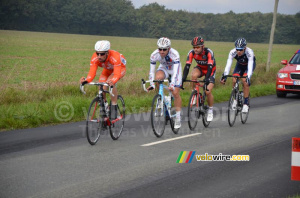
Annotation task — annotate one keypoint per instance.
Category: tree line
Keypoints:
(120, 18)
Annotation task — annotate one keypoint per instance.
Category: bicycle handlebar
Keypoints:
(236, 76)
(97, 84)
(148, 81)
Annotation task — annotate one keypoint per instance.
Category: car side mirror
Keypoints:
(284, 62)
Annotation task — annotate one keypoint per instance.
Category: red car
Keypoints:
(288, 78)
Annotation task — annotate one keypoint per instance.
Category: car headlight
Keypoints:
(282, 75)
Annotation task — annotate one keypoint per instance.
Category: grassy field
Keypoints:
(40, 74)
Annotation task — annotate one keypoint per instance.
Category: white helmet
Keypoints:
(164, 42)
(102, 46)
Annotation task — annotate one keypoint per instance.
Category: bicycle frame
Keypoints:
(197, 83)
(161, 92)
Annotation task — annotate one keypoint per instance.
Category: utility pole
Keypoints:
(272, 35)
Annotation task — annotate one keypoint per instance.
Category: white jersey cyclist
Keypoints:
(246, 61)
(170, 65)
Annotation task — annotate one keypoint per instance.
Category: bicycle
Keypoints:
(197, 107)
(100, 117)
(236, 102)
(161, 111)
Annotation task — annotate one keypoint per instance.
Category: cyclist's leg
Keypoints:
(246, 86)
(103, 78)
(115, 92)
(177, 101)
(196, 73)
(209, 95)
(237, 72)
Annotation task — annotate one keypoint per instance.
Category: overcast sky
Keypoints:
(224, 6)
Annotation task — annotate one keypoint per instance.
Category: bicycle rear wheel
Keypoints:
(117, 119)
(158, 118)
(193, 111)
(244, 116)
(94, 121)
(232, 109)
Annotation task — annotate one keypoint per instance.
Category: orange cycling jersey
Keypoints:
(114, 63)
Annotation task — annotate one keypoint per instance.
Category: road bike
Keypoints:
(197, 106)
(161, 110)
(236, 101)
(100, 115)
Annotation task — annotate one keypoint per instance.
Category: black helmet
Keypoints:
(240, 43)
(198, 40)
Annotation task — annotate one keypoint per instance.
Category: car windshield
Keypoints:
(295, 59)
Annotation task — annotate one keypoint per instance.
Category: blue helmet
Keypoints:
(240, 43)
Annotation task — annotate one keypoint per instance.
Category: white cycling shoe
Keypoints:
(245, 108)
(210, 116)
(177, 123)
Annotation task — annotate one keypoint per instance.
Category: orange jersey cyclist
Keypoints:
(206, 66)
(245, 66)
(113, 64)
(170, 65)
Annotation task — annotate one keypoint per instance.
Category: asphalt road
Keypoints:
(57, 161)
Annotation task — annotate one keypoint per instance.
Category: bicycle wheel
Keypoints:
(94, 121)
(204, 116)
(244, 116)
(193, 111)
(158, 118)
(117, 119)
(232, 109)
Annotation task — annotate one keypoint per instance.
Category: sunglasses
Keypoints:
(101, 54)
(196, 47)
(239, 50)
(162, 49)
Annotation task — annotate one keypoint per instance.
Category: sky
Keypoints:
(224, 6)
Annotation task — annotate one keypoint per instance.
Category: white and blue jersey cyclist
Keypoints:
(245, 66)
(169, 66)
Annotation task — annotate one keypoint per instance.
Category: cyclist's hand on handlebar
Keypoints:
(223, 79)
(150, 88)
(248, 81)
(82, 79)
(207, 81)
(110, 82)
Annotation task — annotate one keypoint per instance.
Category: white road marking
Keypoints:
(172, 139)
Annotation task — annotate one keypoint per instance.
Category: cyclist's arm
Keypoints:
(92, 73)
(228, 64)
(250, 56)
(189, 60)
(152, 71)
(209, 65)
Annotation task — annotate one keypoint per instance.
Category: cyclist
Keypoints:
(206, 66)
(170, 66)
(114, 68)
(245, 66)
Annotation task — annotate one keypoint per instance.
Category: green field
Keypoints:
(40, 71)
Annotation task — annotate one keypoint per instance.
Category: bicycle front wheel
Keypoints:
(193, 111)
(94, 121)
(158, 118)
(244, 116)
(232, 109)
(117, 118)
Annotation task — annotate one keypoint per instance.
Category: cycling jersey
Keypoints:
(205, 62)
(170, 64)
(247, 60)
(115, 63)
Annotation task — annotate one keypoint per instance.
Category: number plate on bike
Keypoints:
(297, 82)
